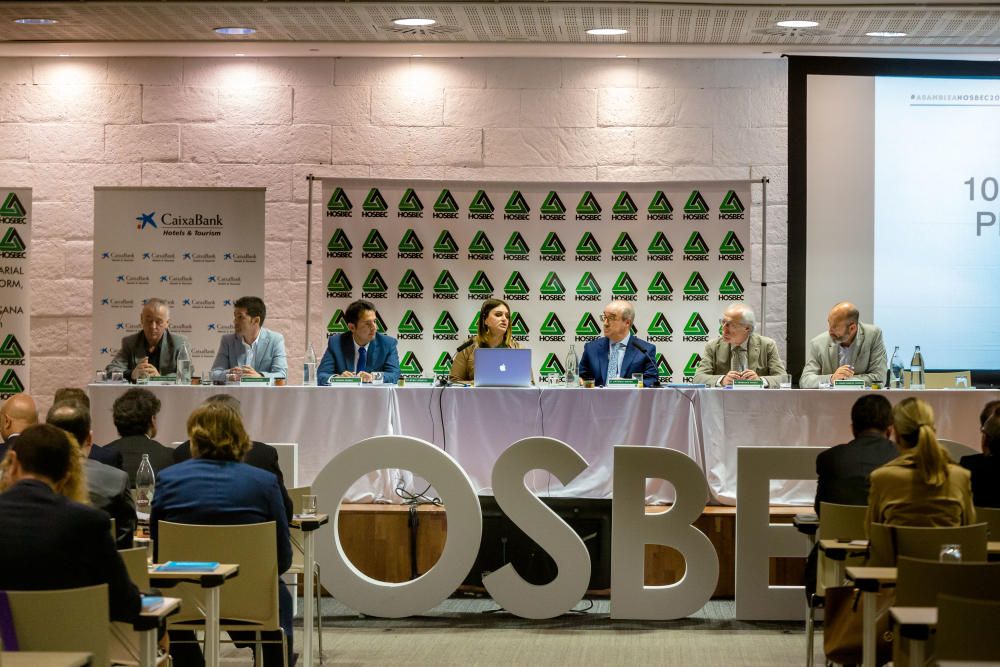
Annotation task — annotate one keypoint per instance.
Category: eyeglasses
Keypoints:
(732, 323)
(609, 318)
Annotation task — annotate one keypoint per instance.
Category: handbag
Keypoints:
(843, 623)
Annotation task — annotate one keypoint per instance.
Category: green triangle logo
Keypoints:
(731, 285)
(660, 285)
(410, 283)
(410, 203)
(410, 242)
(552, 326)
(445, 324)
(515, 284)
(339, 282)
(11, 350)
(380, 323)
(695, 285)
(553, 204)
(588, 205)
(624, 205)
(516, 245)
(443, 365)
(516, 205)
(339, 242)
(11, 384)
(445, 284)
(410, 365)
(624, 285)
(659, 326)
(552, 245)
(374, 282)
(337, 323)
(692, 365)
(588, 245)
(552, 284)
(660, 245)
(731, 245)
(731, 203)
(624, 245)
(410, 324)
(552, 366)
(480, 284)
(588, 326)
(660, 205)
(338, 201)
(480, 244)
(695, 245)
(481, 203)
(474, 325)
(445, 244)
(663, 368)
(517, 325)
(588, 284)
(374, 242)
(12, 241)
(375, 201)
(445, 203)
(696, 203)
(695, 325)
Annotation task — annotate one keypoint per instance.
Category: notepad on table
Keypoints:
(187, 566)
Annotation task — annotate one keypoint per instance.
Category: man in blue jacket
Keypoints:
(252, 350)
(618, 354)
(361, 350)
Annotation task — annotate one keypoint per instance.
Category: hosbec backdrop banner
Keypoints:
(15, 293)
(198, 249)
(428, 253)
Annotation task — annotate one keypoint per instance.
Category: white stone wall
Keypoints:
(67, 125)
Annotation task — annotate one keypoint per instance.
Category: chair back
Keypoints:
(940, 379)
(288, 461)
(920, 581)
(72, 619)
(296, 494)
(957, 450)
(991, 517)
(967, 629)
(837, 522)
(248, 601)
(136, 565)
(887, 543)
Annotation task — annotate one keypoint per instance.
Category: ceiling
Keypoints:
(716, 29)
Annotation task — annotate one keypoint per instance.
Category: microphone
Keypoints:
(466, 344)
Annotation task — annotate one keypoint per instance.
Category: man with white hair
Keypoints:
(739, 354)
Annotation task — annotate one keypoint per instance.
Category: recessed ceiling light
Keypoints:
(35, 21)
(797, 24)
(885, 33)
(606, 31)
(414, 21)
(235, 30)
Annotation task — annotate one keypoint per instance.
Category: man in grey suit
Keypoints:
(739, 354)
(849, 349)
(252, 350)
(152, 351)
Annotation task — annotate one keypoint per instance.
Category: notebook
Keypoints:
(503, 367)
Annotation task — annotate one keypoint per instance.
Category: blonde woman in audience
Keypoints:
(73, 485)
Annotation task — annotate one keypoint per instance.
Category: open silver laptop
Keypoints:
(503, 367)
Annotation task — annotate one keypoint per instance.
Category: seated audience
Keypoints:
(985, 467)
(134, 414)
(98, 453)
(48, 540)
(107, 485)
(921, 487)
(215, 487)
(17, 413)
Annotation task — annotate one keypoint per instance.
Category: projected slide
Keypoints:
(937, 219)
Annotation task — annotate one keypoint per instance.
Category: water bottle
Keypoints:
(185, 367)
(309, 368)
(917, 370)
(895, 380)
(572, 363)
(145, 483)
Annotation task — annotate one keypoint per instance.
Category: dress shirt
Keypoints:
(846, 354)
(618, 349)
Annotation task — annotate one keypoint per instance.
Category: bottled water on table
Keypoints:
(145, 484)
(309, 368)
(185, 367)
(572, 364)
(917, 370)
(895, 370)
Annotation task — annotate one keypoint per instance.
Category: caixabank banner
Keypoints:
(15, 295)
(198, 249)
(428, 253)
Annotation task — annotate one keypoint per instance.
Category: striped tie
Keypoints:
(613, 362)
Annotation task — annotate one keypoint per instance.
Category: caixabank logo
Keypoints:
(127, 328)
(587, 329)
(516, 288)
(181, 224)
(118, 257)
(374, 205)
(410, 366)
(339, 206)
(624, 288)
(695, 331)
(552, 329)
(691, 368)
(225, 281)
(696, 208)
(659, 249)
(410, 246)
(659, 329)
(552, 366)
(445, 208)
(589, 209)
(516, 208)
(445, 246)
(120, 304)
(374, 286)
(731, 288)
(198, 257)
(518, 328)
(663, 370)
(480, 288)
(624, 208)
(552, 249)
(339, 246)
(659, 208)
(410, 286)
(410, 205)
(174, 279)
(445, 287)
(240, 257)
(517, 249)
(11, 352)
(199, 304)
(588, 250)
(337, 323)
(588, 289)
(374, 246)
(731, 207)
(695, 289)
(12, 210)
(445, 328)
(552, 288)
(552, 207)
(172, 256)
(135, 279)
(410, 327)
(481, 208)
(10, 384)
(731, 249)
(12, 246)
(624, 249)
(696, 250)
(339, 287)
(480, 249)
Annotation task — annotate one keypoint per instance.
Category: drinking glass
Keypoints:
(785, 381)
(117, 377)
(637, 379)
(377, 377)
(100, 377)
(309, 505)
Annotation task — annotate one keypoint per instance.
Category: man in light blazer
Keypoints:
(252, 350)
(343, 354)
(849, 349)
(739, 354)
(633, 355)
(152, 351)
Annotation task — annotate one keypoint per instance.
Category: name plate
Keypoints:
(416, 382)
(748, 384)
(162, 379)
(621, 383)
(849, 384)
(336, 380)
(252, 380)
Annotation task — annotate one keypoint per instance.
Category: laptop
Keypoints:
(503, 367)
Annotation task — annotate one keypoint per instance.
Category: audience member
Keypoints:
(984, 468)
(134, 414)
(49, 541)
(98, 453)
(18, 413)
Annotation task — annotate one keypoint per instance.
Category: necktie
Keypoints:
(613, 361)
(362, 360)
(739, 359)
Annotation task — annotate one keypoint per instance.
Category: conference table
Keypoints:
(474, 425)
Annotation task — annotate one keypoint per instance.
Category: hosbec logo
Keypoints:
(516, 289)
(731, 207)
(587, 329)
(517, 208)
(339, 286)
(552, 329)
(374, 205)
(410, 205)
(339, 206)
(624, 249)
(659, 208)
(517, 249)
(12, 210)
(445, 328)
(339, 246)
(410, 327)
(445, 286)
(659, 288)
(11, 352)
(552, 288)
(10, 384)
(480, 248)
(552, 249)
(445, 208)
(410, 246)
(589, 208)
(12, 246)
(624, 207)
(481, 208)
(696, 250)
(659, 249)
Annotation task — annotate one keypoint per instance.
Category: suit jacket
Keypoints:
(900, 498)
(109, 491)
(5, 445)
(339, 357)
(134, 348)
(640, 357)
(261, 455)
(985, 471)
(762, 358)
(49, 542)
(132, 447)
(207, 492)
(111, 457)
(269, 359)
(843, 471)
(822, 358)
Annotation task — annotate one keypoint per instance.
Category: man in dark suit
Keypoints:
(48, 541)
(985, 467)
(260, 455)
(134, 414)
(18, 413)
(361, 350)
(152, 351)
(98, 453)
(631, 354)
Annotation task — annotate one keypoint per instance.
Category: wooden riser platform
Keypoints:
(377, 540)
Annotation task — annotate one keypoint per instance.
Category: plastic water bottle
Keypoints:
(895, 371)
(185, 367)
(309, 368)
(572, 364)
(917, 370)
(145, 484)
